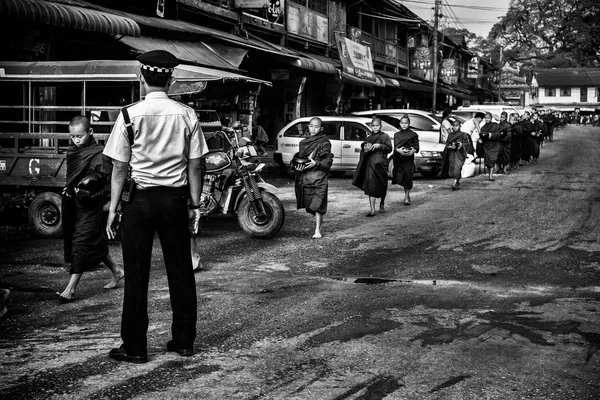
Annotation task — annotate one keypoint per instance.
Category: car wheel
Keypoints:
(45, 215)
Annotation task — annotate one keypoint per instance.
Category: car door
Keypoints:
(354, 133)
(333, 131)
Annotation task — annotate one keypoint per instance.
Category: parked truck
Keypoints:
(37, 101)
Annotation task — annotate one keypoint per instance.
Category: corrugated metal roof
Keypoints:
(45, 12)
(568, 77)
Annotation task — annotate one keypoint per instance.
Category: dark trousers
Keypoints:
(162, 210)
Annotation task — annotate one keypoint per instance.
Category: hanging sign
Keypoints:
(356, 58)
(473, 68)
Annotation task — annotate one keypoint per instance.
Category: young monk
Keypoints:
(406, 144)
(312, 178)
(372, 170)
(489, 135)
(85, 244)
(458, 145)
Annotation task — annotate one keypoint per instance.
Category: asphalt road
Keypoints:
(489, 292)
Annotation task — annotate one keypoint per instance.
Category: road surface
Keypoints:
(488, 292)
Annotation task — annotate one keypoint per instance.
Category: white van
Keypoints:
(494, 109)
(346, 135)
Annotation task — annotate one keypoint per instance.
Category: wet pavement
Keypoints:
(489, 292)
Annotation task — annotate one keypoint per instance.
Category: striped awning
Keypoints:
(58, 14)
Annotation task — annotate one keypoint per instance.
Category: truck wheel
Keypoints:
(45, 215)
(267, 227)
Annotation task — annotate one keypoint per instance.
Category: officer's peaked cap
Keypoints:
(158, 61)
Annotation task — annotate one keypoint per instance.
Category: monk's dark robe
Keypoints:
(454, 159)
(85, 243)
(515, 143)
(404, 166)
(311, 186)
(537, 136)
(526, 140)
(505, 141)
(490, 135)
(372, 170)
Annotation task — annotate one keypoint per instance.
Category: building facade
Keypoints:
(317, 56)
(567, 89)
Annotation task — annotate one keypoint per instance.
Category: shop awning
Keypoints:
(213, 56)
(187, 78)
(58, 14)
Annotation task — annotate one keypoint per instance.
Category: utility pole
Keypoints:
(500, 78)
(435, 51)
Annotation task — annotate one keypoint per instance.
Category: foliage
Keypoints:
(550, 33)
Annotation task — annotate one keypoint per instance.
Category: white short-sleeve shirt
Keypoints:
(166, 136)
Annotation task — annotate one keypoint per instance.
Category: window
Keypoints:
(565, 92)
(319, 6)
(300, 130)
(355, 132)
(420, 123)
(583, 98)
(550, 92)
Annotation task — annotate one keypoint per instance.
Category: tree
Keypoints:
(550, 33)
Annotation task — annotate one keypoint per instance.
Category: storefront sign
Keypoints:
(473, 68)
(421, 65)
(449, 72)
(356, 58)
(252, 3)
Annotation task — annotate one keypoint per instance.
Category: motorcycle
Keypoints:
(233, 185)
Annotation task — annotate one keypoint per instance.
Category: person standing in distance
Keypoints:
(311, 179)
(164, 160)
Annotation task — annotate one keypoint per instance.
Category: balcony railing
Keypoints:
(386, 51)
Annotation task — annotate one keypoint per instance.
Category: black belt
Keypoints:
(182, 189)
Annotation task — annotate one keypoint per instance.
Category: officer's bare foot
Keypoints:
(117, 276)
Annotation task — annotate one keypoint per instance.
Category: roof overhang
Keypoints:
(187, 78)
(68, 16)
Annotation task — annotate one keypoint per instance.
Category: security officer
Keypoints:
(159, 165)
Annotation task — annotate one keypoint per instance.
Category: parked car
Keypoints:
(425, 124)
(346, 135)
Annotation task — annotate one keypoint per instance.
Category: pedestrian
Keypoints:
(458, 146)
(472, 128)
(83, 197)
(489, 136)
(445, 125)
(505, 129)
(537, 136)
(311, 176)
(526, 138)
(372, 170)
(406, 144)
(515, 143)
(156, 146)
(260, 139)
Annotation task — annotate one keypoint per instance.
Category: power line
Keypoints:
(471, 7)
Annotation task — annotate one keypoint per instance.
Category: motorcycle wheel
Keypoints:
(255, 227)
